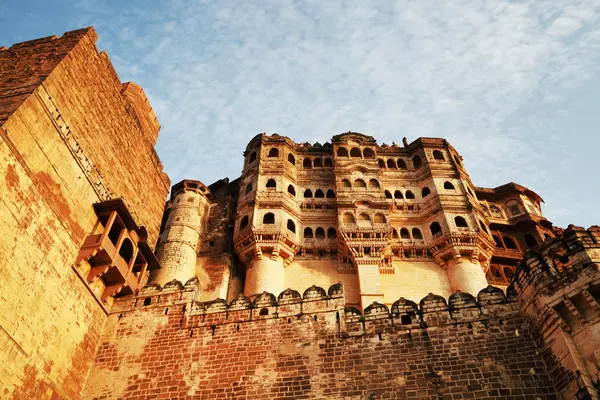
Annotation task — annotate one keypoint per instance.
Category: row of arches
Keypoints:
(355, 152)
(361, 184)
(308, 163)
(363, 219)
(404, 233)
(319, 233)
(410, 195)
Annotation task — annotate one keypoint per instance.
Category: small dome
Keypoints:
(314, 292)
(336, 289)
(461, 300)
(289, 296)
(215, 305)
(173, 285)
(376, 309)
(403, 305)
(490, 295)
(240, 302)
(433, 302)
(265, 299)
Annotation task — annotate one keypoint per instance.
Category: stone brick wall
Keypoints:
(67, 141)
(311, 347)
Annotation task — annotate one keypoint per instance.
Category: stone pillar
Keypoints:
(178, 244)
(265, 274)
(466, 276)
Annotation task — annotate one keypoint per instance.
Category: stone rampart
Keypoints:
(165, 344)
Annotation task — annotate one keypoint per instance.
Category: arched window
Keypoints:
(379, 218)
(331, 233)
(248, 188)
(416, 233)
(252, 157)
(319, 194)
(307, 194)
(425, 192)
(364, 219)
(292, 159)
(359, 183)
(308, 233)
(291, 190)
(435, 228)
(291, 225)
(514, 208)
(273, 153)
(348, 218)
(244, 222)
(394, 233)
(147, 301)
(404, 234)
(306, 163)
(460, 222)
(448, 185)
(355, 152)
(391, 163)
(497, 241)
(398, 195)
(346, 183)
(381, 163)
(438, 155)
(388, 195)
(483, 227)
(401, 164)
(271, 183)
(509, 243)
(342, 152)
(126, 250)
(409, 195)
(330, 194)
(417, 161)
(374, 184)
(496, 212)
(318, 163)
(320, 233)
(530, 241)
(269, 219)
(328, 163)
(368, 153)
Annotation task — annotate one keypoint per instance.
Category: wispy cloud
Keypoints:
(494, 78)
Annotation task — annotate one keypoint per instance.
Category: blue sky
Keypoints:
(514, 86)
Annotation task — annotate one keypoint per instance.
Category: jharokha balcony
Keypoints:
(119, 254)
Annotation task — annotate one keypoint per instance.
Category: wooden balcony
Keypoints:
(119, 255)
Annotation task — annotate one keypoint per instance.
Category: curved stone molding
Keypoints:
(265, 299)
(404, 306)
(289, 296)
(151, 287)
(336, 289)
(173, 285)
(376, 310)
(433, 302)
(192, 282)
(241, 302)
(216, 305)
(459, 300)
(314, 293)
(490, 295)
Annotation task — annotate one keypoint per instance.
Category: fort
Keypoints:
(343, 270)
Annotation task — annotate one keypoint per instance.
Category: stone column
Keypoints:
(265, 273)
(466, 276)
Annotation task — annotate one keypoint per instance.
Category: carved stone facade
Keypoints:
(437, 289)
(387, 221)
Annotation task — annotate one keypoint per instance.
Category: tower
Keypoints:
(183, 226)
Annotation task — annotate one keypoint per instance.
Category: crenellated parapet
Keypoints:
(558, 289)
(489, 307)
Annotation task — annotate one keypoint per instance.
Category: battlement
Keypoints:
(490, 305)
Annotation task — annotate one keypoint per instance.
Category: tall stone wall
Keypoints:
(68, 139)
(163, 345)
